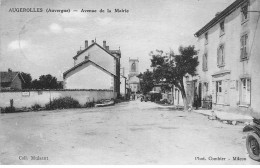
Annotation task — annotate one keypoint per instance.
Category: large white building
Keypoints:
(229, 57)
(95, 67)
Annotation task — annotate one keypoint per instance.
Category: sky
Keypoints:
(43, 43)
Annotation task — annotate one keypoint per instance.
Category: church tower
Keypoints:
(133, 80)
(133, 67)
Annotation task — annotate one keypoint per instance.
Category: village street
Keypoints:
(128, 133)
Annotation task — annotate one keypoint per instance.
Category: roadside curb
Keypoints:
(225, 117)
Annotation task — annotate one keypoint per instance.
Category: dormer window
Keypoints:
(206, 38)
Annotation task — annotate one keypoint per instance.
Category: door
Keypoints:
(219, 92)
(199, 95)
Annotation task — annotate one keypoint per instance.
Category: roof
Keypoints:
(220, 16)
(84, 62)
(110, 53)
(115, 52)
(10, 76)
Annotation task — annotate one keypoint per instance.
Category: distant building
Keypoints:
(11, 80)
(95, 67)
(229, 57)
(133, 80)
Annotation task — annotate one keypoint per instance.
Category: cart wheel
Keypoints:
(253, 146)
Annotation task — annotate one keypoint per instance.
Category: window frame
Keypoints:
(206, 35)
(243, 19)
(247, 98)
(205, 61)
(222, 63)
(244, 46)
(222, 32)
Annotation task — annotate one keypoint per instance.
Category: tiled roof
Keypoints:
(8, 76)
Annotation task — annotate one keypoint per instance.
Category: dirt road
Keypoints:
(127, 133)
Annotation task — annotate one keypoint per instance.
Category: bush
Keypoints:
(62, 103)
(9, 109)
(89, 104)
(36, 106)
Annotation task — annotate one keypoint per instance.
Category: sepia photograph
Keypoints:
(129, 82)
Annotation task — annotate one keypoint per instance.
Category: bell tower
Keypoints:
(133, 67)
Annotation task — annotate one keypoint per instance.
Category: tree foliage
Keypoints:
(27, 80)
(146, 81)
(170, 68)
(46, 82)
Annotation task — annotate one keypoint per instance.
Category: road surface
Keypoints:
(128, 133)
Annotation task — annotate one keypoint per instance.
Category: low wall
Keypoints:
(42, 97)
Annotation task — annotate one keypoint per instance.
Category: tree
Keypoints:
(146, 81)
(172, 68)
(27, 80)
(46, 82)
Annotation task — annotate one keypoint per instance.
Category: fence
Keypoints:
(42, 97)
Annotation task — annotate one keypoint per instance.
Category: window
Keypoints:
(205, 62)
(244, 47)
(222, 28)
(206, 38)
(221, 56)
(206, 86)
(245, 94)
(244, 12)
(133, 67)
(219, 86)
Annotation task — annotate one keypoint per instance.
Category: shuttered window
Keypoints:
(244, 47)
(221, 56)
(205, 62)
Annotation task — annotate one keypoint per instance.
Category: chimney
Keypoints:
(86, 43)
(93, 41)
(104, 44)
(9, 70)
(107, 48)
(217, 14)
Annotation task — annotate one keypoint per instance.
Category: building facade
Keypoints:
(133, 80)
(95, 67)
(11, 80)
(229, 56)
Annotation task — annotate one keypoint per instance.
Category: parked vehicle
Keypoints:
(253, 139)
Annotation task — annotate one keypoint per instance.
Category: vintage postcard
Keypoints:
(127, 82)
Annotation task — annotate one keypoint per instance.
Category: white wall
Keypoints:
(231, 41)
(122, 86)
(88, 76)
(43, 97)
(100, 57)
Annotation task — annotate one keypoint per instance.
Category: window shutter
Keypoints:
(213, 92)
(206, 61)
(218, 56)
(241, 47)
(226, 90)
(223, 55)
(246, 46)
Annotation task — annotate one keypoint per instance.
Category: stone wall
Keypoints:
(42, 97)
